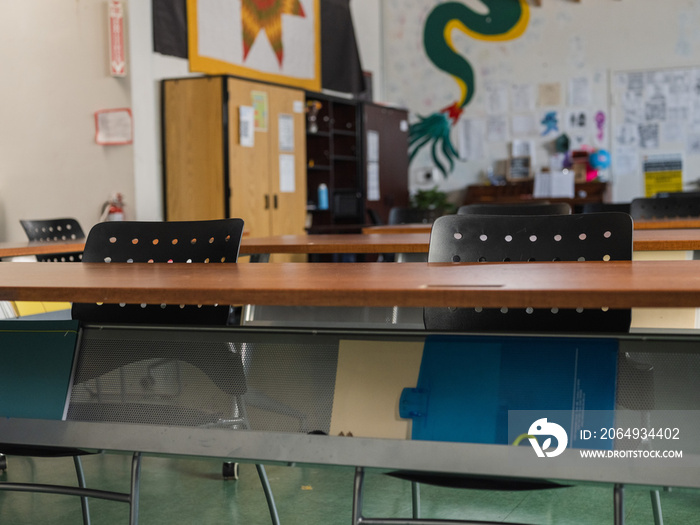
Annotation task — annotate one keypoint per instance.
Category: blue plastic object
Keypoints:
(322, 197)
(469, 386)
(37, 359)
(599, 160)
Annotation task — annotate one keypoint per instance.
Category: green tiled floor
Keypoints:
(192, 491)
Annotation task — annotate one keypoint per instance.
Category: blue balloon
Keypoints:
(599, 160)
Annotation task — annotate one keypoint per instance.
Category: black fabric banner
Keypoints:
(170, 27)
(341, 69)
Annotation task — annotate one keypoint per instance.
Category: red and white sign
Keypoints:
(113, 126)
(117, 55)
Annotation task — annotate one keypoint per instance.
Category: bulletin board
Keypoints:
(656, 120)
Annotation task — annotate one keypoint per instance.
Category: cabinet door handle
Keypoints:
(274, 200)
(267, 202)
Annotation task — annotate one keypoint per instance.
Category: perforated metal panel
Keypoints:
(192, 379)
(658, 389)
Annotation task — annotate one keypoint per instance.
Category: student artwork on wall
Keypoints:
(656, 111)
(505, 20)
(270, 41)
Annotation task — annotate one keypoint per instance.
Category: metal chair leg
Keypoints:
(656, 507)
(357, 496)
(135, 484)
(81, 483)
(415, 499)
(268, 494)
(619, 504)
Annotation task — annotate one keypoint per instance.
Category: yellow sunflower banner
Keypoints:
(271, 40)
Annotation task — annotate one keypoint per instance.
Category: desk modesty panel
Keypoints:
(614, 284)
(309, 380)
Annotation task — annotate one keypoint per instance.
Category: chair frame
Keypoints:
(131, 497)
(452, 240)
(145, 242)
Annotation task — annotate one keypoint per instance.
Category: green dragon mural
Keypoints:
(506, 20)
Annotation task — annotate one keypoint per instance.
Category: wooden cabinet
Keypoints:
(584, 193)
(386, 159)
(209, 173)
(359, 151)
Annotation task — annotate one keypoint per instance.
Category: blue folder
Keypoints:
(468, 386)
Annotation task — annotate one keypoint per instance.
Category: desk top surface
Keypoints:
(415, 242)
(655, 224)
(667, 224)
(17, 249)
(644, 240)
(615, 284)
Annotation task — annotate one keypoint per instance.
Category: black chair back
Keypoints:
(505, 238)
(526, 208)
(54, 230)
(670, 207)
(598, 207)
(216, 241)
(410, 216)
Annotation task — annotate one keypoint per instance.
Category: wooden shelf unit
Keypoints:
(337, 156)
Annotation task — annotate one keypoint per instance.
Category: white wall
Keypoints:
(367, 19)
(55, 76)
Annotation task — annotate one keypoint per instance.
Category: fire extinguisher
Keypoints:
(113, 209)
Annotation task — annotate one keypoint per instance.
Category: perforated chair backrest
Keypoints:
(663, 194)
(553, 208)
(598, 207)
(410, 216)
(665, 207)
(504, 238)
(54, 230)
(216, 241)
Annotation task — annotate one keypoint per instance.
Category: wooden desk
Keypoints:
(662, 224)
(616, 284)
(666, 240)
(398, 228)
(336, 243)
(413, 241)
(644, 240)
(666, 224)
(18, 249)
(587, 284)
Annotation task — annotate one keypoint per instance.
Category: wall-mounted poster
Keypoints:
(271, 41)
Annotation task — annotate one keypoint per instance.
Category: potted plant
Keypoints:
(434, 201)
